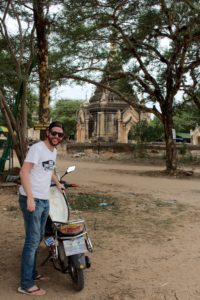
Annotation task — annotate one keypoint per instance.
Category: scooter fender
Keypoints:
(79, 260)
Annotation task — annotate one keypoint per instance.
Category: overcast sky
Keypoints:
(75, 92)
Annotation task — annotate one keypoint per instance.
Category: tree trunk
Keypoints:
(171, 152)
(42, 54)
(23, 110)
(13, 126)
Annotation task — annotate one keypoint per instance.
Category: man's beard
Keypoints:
(52, 144)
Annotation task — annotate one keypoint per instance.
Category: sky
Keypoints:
(73, 91)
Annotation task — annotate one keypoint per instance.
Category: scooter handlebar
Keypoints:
(67, 185)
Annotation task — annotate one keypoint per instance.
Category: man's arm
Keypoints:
(24, 175)
(59, 185)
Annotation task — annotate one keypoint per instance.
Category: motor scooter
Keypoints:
(67, 240)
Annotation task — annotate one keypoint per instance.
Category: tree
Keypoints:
(144, 131)
(65, 111)
(191, 86)
(157, 72)
(18, 51)
(42, 58)
(155, 41)
(32, 104)
(186, 117)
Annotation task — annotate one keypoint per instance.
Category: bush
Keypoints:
(183, 149)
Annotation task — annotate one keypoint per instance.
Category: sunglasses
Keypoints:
(59, 134)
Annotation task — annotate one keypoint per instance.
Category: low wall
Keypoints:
(97, 147)
(152, 149)
(123, 147)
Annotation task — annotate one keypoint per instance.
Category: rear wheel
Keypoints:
(62, 259)
(77, 276)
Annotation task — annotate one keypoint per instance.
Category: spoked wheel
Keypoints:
(77, 276)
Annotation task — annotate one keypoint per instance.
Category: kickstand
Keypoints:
(46, 259)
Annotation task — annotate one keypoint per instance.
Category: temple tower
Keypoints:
(107, 118)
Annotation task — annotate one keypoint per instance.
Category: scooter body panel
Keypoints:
(58, 208)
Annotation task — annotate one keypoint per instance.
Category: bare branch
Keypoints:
(6, 114)
(6, 10)
(20, 32)
(168, 16)
(132, 48)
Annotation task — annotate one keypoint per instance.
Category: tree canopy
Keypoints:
(65, 111)
(156, 43)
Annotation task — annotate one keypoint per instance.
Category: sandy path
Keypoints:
(124, 178)
(149, 249)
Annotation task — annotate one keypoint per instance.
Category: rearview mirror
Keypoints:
(70, 169)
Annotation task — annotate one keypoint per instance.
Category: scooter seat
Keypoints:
(60, 234)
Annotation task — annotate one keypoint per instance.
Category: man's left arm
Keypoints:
(59, 185)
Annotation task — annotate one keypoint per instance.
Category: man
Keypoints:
(36, 175)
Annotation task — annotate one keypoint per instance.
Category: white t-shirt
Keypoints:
(40, 175)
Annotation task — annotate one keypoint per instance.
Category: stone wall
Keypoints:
(151, 149)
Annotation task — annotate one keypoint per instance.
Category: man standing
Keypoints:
(36, 175)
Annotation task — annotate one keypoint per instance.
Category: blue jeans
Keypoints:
(34, 223)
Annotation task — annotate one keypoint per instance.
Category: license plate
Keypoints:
(74, 246)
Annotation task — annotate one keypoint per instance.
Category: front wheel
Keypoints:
(77, 276)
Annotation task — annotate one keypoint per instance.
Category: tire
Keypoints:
(77, 276)
(62, 259)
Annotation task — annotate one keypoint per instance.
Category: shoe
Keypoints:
(35, 292)
(41, 278)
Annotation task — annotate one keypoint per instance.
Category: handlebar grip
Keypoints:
(66, 184)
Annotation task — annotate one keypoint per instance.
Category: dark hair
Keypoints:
(56, 124)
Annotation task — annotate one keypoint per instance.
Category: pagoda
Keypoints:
(107, 117)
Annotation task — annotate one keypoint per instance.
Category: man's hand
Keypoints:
(30, 204)
(60, 186)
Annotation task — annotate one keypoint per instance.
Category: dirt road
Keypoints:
(146, 246)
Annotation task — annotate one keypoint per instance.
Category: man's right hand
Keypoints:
(30, 204)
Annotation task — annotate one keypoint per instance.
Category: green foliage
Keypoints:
(186, 117)
(183, 149)
(80, 36)
(147, 132)
(147, 22)
(8, 75)
(2, 121)
(65, 111)
(189, 158)
(32, 103)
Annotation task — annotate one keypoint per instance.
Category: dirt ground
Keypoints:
(146, 247)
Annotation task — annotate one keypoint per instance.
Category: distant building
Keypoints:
(195, 135)
(107, 117)
(33, 134)
(183, 137)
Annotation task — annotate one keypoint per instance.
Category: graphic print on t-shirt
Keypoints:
(48, 165)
